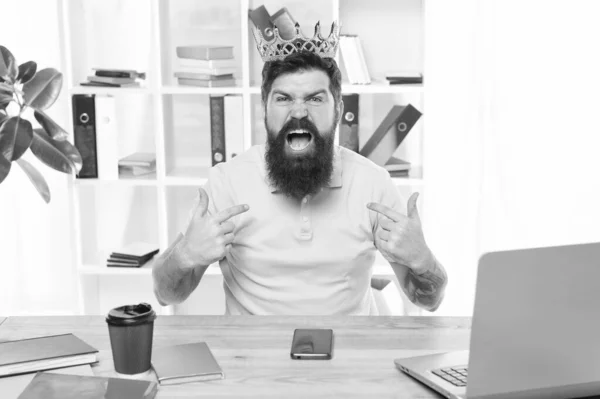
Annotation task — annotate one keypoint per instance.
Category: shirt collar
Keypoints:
(336, 174)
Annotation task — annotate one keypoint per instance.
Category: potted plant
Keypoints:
(22, 87)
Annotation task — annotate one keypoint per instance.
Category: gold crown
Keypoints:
(279, 48)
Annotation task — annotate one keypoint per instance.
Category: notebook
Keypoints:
(11, 387)
(62, 386)
(178, 364)
(44, 353)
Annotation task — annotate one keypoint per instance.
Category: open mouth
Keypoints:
(299, 139)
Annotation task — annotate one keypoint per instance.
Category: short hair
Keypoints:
(302, 61)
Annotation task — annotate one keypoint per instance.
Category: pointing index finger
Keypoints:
(228, 213)
(385, 211)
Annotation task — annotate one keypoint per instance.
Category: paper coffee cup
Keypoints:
(131, 328)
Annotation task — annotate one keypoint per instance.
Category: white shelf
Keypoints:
(109, 90)
(146, 180)
(381, 87)
(187, 176)
(176, 89)
(146, 270)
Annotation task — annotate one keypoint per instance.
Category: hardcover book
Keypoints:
(13, 386)
(206, 82)
(44, 353)
(206, 64)
(178, 364)
(143, 159)
(390, 133)
(202, 52)
(136, 250)
(63, 386)
(119, 73)
(202, 76)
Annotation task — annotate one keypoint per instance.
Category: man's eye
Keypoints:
(316, 99)
(280, 99)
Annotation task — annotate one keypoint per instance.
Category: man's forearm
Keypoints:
(175, 276)
(424, 288)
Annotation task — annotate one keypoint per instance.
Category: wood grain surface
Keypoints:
(254, 352)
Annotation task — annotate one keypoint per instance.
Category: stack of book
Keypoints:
(114, 78)
(135, 254)
(397, 167)
(404, 77)
(137, 164)
(44, 353)
(205, 66)
(354, 60)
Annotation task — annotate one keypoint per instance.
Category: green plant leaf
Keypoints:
(51, 127)
(5, 98)
(26, 71)
(36, 179)
(4, 168)
(8, 65)
(15, 137)
(43, 89)
(59, 155)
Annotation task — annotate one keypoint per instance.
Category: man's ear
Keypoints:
(340, 110)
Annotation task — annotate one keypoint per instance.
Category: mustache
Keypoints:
(296, 124)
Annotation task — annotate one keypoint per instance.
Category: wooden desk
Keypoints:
(254, 352)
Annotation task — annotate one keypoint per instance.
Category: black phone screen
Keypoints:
(314, 344)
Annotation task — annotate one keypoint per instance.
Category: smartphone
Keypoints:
(315, 344)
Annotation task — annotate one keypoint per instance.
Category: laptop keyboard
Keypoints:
(454, 375)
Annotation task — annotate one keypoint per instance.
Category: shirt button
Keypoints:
(305, 219)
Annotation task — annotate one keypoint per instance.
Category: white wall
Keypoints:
(512, 88)
(36, 267)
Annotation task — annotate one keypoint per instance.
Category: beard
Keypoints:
(298, 176)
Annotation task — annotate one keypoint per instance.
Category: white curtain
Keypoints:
(512, 101)
(37, 274)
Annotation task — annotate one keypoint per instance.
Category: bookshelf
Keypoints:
(173, 120)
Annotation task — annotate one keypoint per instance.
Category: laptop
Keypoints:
(535, 331)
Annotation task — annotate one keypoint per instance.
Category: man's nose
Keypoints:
(299, 110)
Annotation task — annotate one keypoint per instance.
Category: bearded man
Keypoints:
(295, 223)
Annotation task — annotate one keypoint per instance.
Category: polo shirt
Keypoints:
(312, 256)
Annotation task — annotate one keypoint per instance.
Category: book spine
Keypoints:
(206, 64)
(114, 74)
(366, 78)
(217, 129)
(234, 129)
(350, 122)
(84, 132)
(106, 138)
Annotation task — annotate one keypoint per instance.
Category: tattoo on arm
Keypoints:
(427, 289)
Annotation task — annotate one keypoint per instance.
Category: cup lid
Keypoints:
(129, 315)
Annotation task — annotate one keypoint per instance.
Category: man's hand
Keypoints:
(208, 238)
(400, 238)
